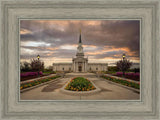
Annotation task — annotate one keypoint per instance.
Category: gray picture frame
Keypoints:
(13, 10)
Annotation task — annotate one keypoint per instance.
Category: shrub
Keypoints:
(112, 68)
(25, 66)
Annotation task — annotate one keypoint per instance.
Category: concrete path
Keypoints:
(109, 90)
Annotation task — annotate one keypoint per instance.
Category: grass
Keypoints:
(47, 72)
(111, 72)
(123, 82)
(37, 82)
(80, 84)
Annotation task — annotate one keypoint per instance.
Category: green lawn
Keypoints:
(48, 72)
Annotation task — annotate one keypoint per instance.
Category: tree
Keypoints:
(50, 68)
(124, 65)
(21, 66)
(112, 68)
(25, 66)
(37, 65)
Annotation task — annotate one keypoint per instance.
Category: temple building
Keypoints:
(80, 63)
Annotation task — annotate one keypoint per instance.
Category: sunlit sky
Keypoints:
(56, 41)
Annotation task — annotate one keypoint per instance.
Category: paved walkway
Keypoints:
(109, 90)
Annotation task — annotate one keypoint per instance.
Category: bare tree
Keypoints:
(124, 65)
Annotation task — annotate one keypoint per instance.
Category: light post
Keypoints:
(123, 64)
(124, 56)
(38, 56)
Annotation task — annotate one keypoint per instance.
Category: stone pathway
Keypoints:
(109, 90)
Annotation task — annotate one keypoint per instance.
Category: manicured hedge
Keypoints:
(80, 84)
(36, 82)
(123, 82)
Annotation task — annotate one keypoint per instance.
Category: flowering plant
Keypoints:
(36, 82)
(134, 76)
(31, 74)
(80, 84)
(123, 82)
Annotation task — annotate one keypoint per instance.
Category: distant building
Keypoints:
(80, 63)
(135, 65)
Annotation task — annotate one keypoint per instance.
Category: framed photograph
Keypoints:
(98, 63)
(80, 59)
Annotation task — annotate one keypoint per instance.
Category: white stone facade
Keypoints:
(80, 63)
(62, 67)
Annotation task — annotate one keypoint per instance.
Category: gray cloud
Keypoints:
(117, 33)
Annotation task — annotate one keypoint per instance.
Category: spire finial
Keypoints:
(80, 36)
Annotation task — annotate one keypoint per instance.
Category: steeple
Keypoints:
(80, 48)
(80, 41)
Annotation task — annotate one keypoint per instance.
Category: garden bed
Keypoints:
(36, 82)
(123, 82)
(80, 86)
(128, 75)
(31, 75)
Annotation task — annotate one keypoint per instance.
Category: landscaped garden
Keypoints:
(123, 69)
(123, 82)
(80, 84)
(129, 75)
(34, 69)
(36, 82)
(31, 75)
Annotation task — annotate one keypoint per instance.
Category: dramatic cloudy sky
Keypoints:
(103, 40)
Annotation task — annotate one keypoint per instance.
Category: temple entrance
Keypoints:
(80, 68)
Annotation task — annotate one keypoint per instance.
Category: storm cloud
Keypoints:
(56, 40)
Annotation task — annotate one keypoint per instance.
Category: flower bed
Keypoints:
(80, 84)
(133, 76)
(30, 74)
(36, 82)
(123, 82)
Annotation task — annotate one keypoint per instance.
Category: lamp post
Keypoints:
(124, 56)
(123, 64)
(38, 57)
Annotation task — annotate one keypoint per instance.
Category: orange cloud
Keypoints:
(25, 31)
(49, 48)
